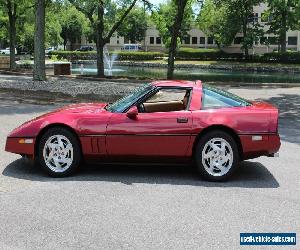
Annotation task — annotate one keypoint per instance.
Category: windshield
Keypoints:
(128, 100)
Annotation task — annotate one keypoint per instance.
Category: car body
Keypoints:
(6, 51)
(85, 48)
(163, 121)
(50, 49)
(131, 47)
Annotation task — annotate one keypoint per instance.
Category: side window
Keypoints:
(167, 100)
(212, 99)
(167, 95)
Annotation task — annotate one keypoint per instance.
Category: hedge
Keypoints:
(206, 54)
(215, 54)
(184, 54)
(281, 57)
(122, 55)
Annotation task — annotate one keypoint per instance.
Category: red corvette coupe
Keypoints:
(174, 121)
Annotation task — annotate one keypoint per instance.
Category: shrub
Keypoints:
(206, 54)
(182, 54)
(73, 55)
(138, 56)
(282, 57)
(91, 55)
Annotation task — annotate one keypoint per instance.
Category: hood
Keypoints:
(32, 127)
(81, 108)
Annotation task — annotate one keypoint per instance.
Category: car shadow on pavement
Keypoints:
(289, 116)
(248, 175)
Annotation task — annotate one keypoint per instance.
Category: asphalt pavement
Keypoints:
(146, 207)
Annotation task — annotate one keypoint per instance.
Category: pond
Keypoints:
(206, 75)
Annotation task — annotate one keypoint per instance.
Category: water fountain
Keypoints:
(91, 69)
(109, 60)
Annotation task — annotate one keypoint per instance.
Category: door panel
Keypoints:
(150, 134)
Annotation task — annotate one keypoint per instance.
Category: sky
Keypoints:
(156, 2)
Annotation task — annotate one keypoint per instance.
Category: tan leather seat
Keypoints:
(163, 106)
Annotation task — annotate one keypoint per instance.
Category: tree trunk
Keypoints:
(246, 49)
(100, 41)
(171, 59)
(282, 35)
(100, 61)
(12, 43)
(65, 43)
(39, 73)
(175, 33)
(11, 9)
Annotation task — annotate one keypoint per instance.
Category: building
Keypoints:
(197, 39)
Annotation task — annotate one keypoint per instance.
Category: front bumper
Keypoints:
(22, 146)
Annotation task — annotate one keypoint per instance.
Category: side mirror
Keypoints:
(132, 112)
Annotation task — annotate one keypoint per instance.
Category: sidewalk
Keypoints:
(107, 90)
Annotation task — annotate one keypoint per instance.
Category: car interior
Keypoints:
(166, 100)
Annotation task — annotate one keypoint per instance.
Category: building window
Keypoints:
(158, 40)
(118, 41)
(194, 40)
(202, 40)
(269, 40)
(151, 40)
(273, 40)
(210, 40)
(253, 18)
(238, 40)
(292, 40)
(186, 40)
(263, 40)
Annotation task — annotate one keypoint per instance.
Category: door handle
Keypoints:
(182, 120)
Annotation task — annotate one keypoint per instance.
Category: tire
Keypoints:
(216, 156)
(59, 152)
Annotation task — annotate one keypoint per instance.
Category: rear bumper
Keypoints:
(15, 145)
(268, 145)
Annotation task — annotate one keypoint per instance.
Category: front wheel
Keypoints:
(216, 156)
(59, 152)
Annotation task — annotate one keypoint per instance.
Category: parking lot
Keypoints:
(147, 207)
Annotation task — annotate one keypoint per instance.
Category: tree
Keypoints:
(251, 30)
(284, 15)
(104, 22)
(14, 9)
(3, 28)
(217, 21)
(39, 73)
(164, 19)
(73, 24)
(225, 18)
(135, 25)
(173, 20)
(53, 24)
(175, 32)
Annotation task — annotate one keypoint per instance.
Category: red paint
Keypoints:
(13, 145)
(149, 134)
(106, 134)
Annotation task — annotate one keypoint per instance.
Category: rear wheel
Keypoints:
(59, 152)
(216, 156)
